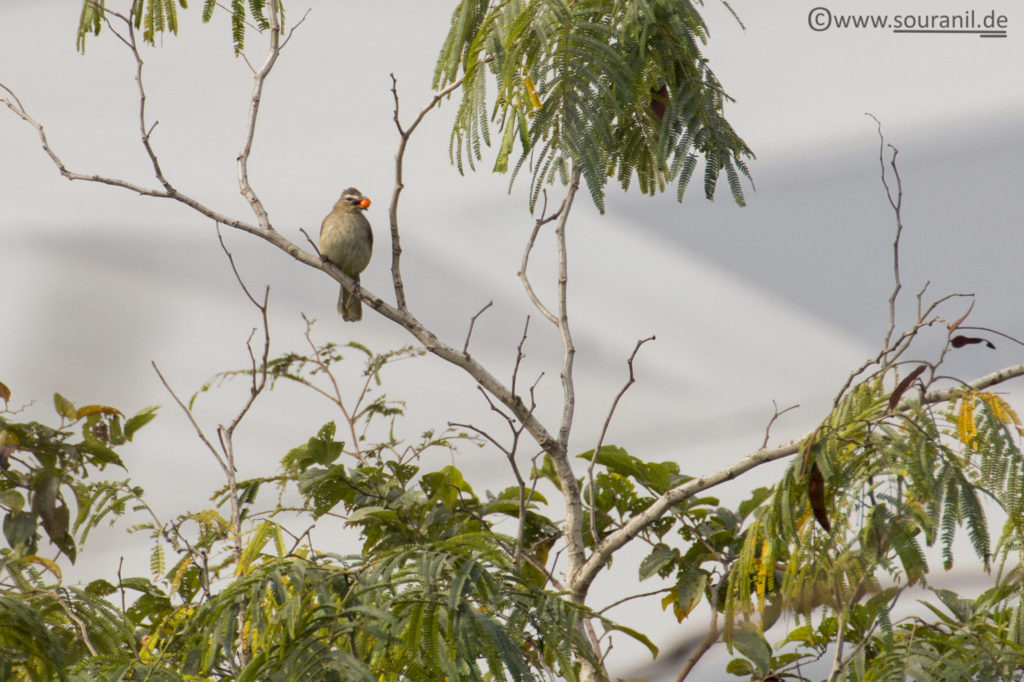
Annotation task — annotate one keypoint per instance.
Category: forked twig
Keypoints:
(604, 430)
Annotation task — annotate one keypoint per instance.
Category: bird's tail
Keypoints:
(349, 306)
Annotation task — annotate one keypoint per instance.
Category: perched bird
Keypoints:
(347, 241)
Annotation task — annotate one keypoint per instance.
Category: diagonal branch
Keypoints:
(603, 551)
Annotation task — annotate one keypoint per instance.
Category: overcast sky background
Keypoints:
(773, 302)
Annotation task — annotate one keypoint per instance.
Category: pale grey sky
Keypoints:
(776, 301)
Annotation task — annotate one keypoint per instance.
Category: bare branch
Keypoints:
(291, 32)
(634, 596)
(192, 420)
(145, 131)
(316, 247)
(259, 78)
(775, 416)
(404, 134)
(604, 430)
(472, 321)
(336, 398)
(519, 359)
(896, 201)
(526, 259)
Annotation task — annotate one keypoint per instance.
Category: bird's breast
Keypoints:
(347, 242)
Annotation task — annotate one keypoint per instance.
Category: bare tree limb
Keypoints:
(405, 134)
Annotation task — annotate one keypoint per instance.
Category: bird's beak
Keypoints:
(364, 204)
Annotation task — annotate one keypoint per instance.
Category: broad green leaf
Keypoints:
(660, 557)
(689, 591)
(140, 419)
(13, 500)
(65, 408)
(19, 527)
(752, 644)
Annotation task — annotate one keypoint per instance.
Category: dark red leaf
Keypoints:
(659, 101)
(902, 387)
(953, 327)
(961, 341)
(816, 494)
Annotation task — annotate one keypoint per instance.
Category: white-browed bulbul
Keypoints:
(347, 241)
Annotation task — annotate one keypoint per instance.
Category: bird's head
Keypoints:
(353, 199)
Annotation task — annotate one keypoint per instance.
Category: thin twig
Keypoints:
(192, 420)
(604, 430)
(404, 134)
(472, 321)
(519, 359)
(349, 415)
(896, 201)
(259, 78)
(540, 222)
(144, 131)
(634, 596)
(775, 416)
(291, 31)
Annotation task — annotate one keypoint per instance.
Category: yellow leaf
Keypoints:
(89, 410)
(966, 429)
(48, 564)
(5, 393)
(531, 90)
(1002, 411)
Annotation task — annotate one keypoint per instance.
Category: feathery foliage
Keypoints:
(612, 88)
(156, 17)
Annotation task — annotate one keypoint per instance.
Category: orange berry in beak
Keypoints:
(365, 203)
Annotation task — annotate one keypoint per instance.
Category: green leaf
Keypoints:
(689, 591)
(740, 667)
(65, 408)
(19, 528)
(13, 500)
(445, 485)
(635, 634)
(323, 449)
(661, 557)
(753, 645)
(657, 476)
(101, 453)
(100, 588)
(507, 141)
(140, 419)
